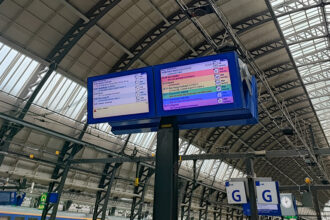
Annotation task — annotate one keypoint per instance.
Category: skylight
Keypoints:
(305, 26)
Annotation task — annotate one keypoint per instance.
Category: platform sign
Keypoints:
(12, 198)
(236, 193)
(267, 192)
(7, 198)
(42, 201)
(53, 197)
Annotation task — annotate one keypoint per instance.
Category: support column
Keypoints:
(103, 196)
(143, 175)
(204, 203)
(251, 189)
(166, 194)
(316, 205)
(60, 173)
(187, 197)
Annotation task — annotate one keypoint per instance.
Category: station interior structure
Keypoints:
(48, 48)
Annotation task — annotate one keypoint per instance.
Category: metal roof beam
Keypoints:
(176, 31)
(295, 10)
(322, 103)
(269, 154)
(55, 57)
(323, 88)
(313, 62)
(304, 187)
(308, 39)
(100, 29)
(258, 134)
(278, 69)
(312, 53)
(267, 48)
(296, 68)
(316, 75)
(302, 34)
(151, 38)
(81, 142)
(324, 16)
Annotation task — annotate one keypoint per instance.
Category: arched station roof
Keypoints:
(49, 48)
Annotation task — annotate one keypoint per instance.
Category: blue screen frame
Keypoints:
(151, 97)
(235, 78)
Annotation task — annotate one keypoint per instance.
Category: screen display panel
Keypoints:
(123, 95)
(196, 85)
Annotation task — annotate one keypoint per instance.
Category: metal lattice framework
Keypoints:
(141, 185)
(308, 50)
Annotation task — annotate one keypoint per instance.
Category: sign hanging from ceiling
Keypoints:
(267, 192)
(236, 193)
(203, 92)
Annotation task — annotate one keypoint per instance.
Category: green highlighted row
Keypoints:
(196, 91)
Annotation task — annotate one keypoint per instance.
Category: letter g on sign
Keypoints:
(267, 197)
(236, 196)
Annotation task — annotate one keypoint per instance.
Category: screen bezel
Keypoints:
(151, 98)
(235, 78)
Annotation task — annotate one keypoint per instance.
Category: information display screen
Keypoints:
(196, 85)
(123, 95)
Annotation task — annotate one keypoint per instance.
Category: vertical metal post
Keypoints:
(251, 188)
(141, 185)
(314, 146)
(60, 189)
(166, 195)
(102, 196)
(107, 194)
(316, 205)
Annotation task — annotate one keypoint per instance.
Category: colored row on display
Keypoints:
(193, 91)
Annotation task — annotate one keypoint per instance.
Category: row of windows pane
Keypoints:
(15, 70)
(306, 25)
(62, 95)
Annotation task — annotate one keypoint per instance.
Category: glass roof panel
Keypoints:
(15, 70)
(207, 165)
(144, 140)
(222, 171)
(215, 168)
(284, 6)
(62, 95)
(307, 34)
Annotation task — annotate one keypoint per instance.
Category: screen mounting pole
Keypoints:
(166, 176)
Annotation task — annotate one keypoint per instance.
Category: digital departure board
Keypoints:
(196, 85)
(124, 95)
(195, 93)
